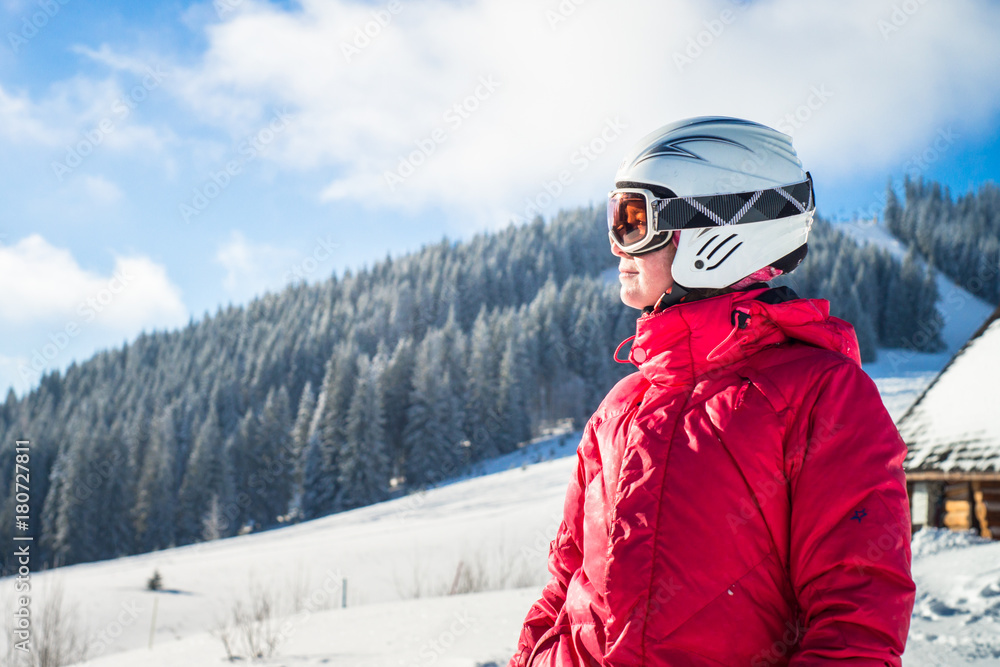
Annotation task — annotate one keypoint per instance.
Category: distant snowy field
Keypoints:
(409, 563)
(401, 559)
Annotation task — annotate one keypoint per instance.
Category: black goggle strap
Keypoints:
(733, 209)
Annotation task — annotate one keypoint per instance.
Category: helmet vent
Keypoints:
(716, 249)
(734, 249)
(707, 243)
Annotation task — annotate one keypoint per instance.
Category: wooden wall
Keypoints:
(961, 505)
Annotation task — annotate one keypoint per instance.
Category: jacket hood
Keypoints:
(683, 342)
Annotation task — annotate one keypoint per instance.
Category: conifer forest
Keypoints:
(376, 383)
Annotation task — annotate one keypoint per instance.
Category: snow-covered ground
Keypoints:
(401, 560)
(490, 532)
(956, 618)
(445, 577)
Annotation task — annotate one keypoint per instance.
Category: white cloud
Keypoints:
(886, 92)
(82, 115)
(112, 59)
(41, 284)
(19, 122)
(253, 268)
(54, 311)
(100, 189)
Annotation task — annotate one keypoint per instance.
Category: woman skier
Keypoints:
(740, 499)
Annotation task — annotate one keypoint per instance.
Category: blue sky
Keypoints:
(165, 158)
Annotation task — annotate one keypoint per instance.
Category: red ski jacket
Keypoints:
(740, 500)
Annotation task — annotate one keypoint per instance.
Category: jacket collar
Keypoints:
(682, 343)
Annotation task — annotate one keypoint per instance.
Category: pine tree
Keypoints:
(50, 546)
(848, 307)
(301, 431)
(277, 456)
(898, 314)
(115, 493)
(396, 387)
(322, 461)
(481, 408)
(364, 461)
(155, 511)
(514, 427)
(927, 337)
(433, 437)
(76, 534)
(207, 475)
(893, 211)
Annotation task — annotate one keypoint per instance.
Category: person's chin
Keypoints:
(629, 297)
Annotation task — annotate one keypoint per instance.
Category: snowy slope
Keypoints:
(497, 526)
(901, 375)
(963, 313)
(471, 630)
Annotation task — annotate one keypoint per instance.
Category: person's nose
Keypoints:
(616, 251)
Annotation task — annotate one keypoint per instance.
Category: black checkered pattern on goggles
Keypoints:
(638, 219)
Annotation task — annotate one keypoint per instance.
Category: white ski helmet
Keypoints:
(734, 189)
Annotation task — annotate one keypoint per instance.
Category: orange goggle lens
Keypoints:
(627, 213)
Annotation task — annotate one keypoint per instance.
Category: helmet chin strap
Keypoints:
(672, 296)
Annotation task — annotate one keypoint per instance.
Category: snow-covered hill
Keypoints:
(402, 558)
(483, 533)
(901, 375)
(963, 312)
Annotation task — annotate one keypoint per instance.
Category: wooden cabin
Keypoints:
(952, 433)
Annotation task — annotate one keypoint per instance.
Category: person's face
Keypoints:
(644, 278)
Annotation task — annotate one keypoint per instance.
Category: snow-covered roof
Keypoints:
(955, 424)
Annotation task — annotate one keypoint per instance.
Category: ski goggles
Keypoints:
(638, 219)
